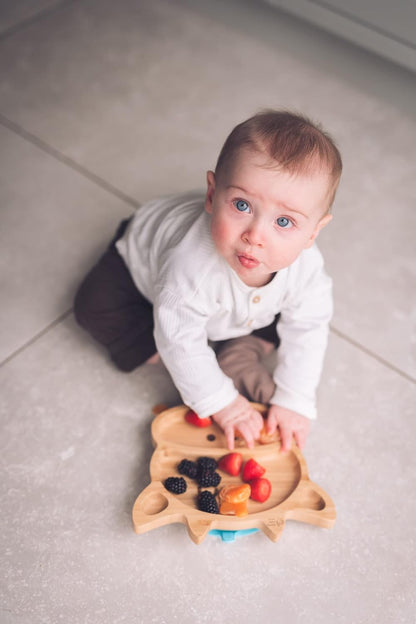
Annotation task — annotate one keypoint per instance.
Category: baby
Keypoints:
(206, 281)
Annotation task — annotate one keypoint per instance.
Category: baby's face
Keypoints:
(261, 218)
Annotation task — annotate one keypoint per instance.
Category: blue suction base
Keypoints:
(229, 536)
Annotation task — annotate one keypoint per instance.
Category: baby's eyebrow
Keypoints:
(290, 209)
(238, 188)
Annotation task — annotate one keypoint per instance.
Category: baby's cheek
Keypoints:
(221, 235)
(284, 253)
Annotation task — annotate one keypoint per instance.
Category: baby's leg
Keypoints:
(241, 359)
(110, 307)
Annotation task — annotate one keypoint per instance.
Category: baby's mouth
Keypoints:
(248, 262)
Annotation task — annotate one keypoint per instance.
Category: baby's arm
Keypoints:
(181, 338)
(290, 425)
(303, 330)
(239, 415)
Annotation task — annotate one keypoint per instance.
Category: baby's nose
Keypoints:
(255, 235)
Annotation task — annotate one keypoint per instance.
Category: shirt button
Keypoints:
(256, 299)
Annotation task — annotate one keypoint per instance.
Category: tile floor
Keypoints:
(102, 105)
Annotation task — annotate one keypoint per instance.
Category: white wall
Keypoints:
(386, 27)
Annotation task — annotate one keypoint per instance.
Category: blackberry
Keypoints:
(176, 485)
(208, 478)
(206, 463)
(188, 468)
(207, 502)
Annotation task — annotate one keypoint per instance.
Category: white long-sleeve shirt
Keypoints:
(198, 298)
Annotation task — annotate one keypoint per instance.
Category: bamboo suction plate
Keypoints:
(293, 497)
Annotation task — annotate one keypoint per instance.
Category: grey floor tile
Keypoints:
(103, 105)
(55, 222)
(75, 452)
(369, 250)
(14, 13)
(143, 94)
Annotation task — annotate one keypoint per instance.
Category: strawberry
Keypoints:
(252, 470)
(231, 463)
(192, 418)
(260, 489)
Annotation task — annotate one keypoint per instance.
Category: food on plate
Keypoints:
(207, 502)
(192, 418)
(233, 499)
(268, 438)
(176, 485)
(231, 463)
(208, 478)
(252, 470)
(206, 463)
(188, 468)
(260, 489)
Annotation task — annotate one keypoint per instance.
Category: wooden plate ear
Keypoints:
(273, 528)
(198, 529)
(151, 509)
(310, 503)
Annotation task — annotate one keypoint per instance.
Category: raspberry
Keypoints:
(188, 468)
(206, 463)
(176, 485)
(207, 502)
(207, 478)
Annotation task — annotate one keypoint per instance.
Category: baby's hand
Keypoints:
(242, 416)
(290, 424)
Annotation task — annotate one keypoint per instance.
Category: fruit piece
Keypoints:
(268, 438)
(176, 485)
(188, 468)
(252, 470)
(231, 463)
(193, 419)
(233, 499)
(206, 463)
(260, 489)
(207, 502)
(208, 478)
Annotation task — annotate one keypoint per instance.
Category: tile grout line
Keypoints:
(371, 354)
(66, 160)
(12, 30)
(37, 336)
(333, 329)
(40, 144)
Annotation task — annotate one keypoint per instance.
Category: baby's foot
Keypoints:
(154, 359)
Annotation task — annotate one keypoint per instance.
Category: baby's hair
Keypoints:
(291, 142)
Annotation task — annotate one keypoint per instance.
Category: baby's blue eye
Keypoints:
(284, 222)
(242, 205)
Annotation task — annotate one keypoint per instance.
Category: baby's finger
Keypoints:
(285, 438)
(245, 430)
(300, 438)
(254, 432)
(229, 436)
(255, 424)
(258, 424)
(271, 423)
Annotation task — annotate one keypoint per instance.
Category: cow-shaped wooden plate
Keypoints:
(293, 497)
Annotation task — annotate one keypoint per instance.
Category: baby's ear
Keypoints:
(321, 224)
(210, 191)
